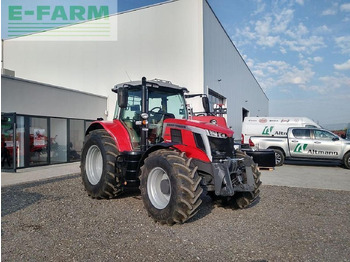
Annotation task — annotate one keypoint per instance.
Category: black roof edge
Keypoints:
(156, 83)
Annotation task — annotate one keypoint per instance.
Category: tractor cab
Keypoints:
(145, 117)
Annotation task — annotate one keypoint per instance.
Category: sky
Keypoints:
(298, 50)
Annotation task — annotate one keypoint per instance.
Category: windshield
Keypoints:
(163, 101)
(162, 104)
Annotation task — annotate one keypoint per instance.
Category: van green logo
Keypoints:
(267, 130)
(300, 148)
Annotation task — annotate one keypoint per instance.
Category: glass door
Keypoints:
(8, 151)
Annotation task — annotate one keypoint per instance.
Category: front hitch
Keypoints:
(225, 171)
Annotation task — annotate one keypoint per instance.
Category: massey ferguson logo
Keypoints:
(300, 148)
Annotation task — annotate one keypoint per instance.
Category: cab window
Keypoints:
(301, 133)
(323, 135)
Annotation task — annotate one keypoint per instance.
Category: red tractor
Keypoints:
(153, 145)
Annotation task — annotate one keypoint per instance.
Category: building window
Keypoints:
(58, 146)
(76, 139)
(215, 98)
(38, 139)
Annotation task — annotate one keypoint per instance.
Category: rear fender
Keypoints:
(117, 131)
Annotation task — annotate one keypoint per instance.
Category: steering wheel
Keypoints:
(154, 108)
(157, 116)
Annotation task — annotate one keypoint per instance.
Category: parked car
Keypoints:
(305, 143)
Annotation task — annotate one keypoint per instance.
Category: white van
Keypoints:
(272, 126)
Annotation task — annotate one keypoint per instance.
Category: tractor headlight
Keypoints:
(144, 116)
(216, 134)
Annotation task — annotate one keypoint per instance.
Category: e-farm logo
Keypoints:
(300, 148)
(267, 130)
(61, 20)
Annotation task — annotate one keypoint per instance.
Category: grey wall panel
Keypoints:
(163, 41)
(27, 97)
(223, 62)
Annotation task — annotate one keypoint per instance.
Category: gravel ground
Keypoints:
(55, 220)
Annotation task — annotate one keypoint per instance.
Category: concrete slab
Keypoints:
(38, 173)
(322, 176)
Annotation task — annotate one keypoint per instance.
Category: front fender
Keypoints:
(193, 152)
(117, 131)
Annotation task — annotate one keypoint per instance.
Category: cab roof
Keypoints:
(156, 83)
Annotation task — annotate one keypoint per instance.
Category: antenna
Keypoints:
(128, 75)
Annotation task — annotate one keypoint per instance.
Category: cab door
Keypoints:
(300, 143)
(326, 144)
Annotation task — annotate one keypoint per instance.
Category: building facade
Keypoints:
(181, 41)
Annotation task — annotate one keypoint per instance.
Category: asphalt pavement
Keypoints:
(317, 175)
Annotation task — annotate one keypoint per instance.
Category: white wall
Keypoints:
(163, 41)
(31, 98)
(222, 61)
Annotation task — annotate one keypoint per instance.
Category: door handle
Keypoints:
(317, 142)
(295, 141)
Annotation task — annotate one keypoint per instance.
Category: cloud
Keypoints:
(275, 73)
(317, 59)
(344, 66)
(307, 45)
(333, 10)
(260, 8)
(282, 20)
(275, 30)
(343, 42)
(300, 2)
(345, 7)
(322, 29)
(330, 83)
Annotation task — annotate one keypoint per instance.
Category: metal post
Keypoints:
(14, 148)
(144, 126)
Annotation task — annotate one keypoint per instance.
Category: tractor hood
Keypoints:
(183, 124)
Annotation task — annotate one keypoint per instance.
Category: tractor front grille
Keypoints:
(221, 147)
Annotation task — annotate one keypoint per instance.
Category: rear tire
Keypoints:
(170, 187)
(98, 165)
(279, 156)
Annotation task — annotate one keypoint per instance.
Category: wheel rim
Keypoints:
(278, 158)
(94, 165)
(158, 188)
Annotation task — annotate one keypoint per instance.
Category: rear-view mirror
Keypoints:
(205, 102)
(122, 97)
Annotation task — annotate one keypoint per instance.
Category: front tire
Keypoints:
(98, 165)
(170, 187)
(242, 200)
(346, 160)
(245, 199)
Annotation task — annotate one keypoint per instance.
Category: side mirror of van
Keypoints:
(122, 97)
